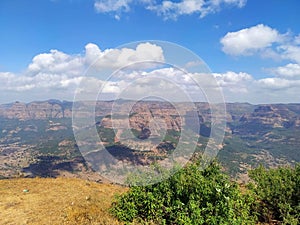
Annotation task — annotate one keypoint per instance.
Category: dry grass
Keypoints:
(56, 201)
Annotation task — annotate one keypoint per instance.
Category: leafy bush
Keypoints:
(278, 194)
(190, 196)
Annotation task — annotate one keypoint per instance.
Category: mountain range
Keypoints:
(37, 139)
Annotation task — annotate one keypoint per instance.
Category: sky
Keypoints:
(251, 47)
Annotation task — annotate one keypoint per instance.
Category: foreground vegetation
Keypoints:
(277, 192)
(190, 196)
(194, 196)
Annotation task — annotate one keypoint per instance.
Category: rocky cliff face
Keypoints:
(166, 115)
(267, 117)
(36, 110)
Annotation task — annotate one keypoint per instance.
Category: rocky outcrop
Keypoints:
(271, 115)
(142, 115)
(266, 117)
(36, 110)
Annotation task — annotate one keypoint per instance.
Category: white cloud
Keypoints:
(262, 40)
(291, 52)
(269, 53)
(104, 6)
(175, 84)
(57, 74)
(13, 82)
(174, 9)
(171, 10)
(166, 8)
(234, 82)
(168, 83)
(250, 40)
(243, 87)
(289, 71)
(297, 39)
(239, 3)
(55, 62)
(284, 87)
(192, 64)
(278, 83)
(117, 58)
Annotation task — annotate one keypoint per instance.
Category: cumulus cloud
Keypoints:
(166, 8)
(249, 40)
(289, 71)
(176, 85)
(297, 39)
(167, 83)
(285, 83)
(284, 86)
(58, 74)
(55, 62)
(278, 83)
(41, 81)
(290, 52)
(262, 40)
(235, 86)
(234, 82)
(117, 58)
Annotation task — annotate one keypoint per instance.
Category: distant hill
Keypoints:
(36, 139)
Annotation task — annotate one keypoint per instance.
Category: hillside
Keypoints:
(36, 139)
(69, 201)
(56, 201)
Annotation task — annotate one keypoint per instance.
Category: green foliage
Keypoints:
(172, 136)
(107, 135)
(190, 196)
(278, 194)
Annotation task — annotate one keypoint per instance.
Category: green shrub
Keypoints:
(278, 194)
(190, 196)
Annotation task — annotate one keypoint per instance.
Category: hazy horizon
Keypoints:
(109, 100)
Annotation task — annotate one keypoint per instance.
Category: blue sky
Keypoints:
(224, 33)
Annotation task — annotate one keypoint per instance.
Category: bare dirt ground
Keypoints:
(56, 201)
